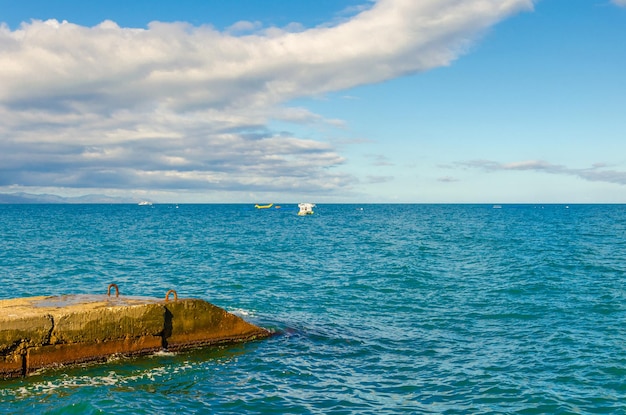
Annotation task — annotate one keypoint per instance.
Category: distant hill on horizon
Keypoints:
(29, 198)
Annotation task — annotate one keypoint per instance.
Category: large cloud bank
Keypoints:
(180, 107)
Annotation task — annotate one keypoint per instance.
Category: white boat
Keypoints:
(145, 203)
(305, 209)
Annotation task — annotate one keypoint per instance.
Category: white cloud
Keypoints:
(178, 106)
(621, 3)
(244, 26)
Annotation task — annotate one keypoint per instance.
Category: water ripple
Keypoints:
(390, 309)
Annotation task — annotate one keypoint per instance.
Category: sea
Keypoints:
(375, 308)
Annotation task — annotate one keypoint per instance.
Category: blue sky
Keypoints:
(433, 101)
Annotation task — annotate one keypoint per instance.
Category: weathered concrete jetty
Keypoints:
(43, 332)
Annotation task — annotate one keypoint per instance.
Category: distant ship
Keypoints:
(305, 209)
(145, 203)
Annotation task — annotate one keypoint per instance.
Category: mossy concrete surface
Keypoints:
(41, 332)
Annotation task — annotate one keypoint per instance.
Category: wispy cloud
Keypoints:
(175, 106)
(379, 179)
(621, 3)
(596, 173)
(379, 160)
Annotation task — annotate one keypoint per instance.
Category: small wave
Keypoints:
(162, 353)
(65, 382)
(240, 312)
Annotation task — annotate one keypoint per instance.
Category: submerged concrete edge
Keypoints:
(34, 337)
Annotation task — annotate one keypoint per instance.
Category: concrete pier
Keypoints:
(42, 332)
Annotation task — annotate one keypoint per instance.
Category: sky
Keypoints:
(326, 101)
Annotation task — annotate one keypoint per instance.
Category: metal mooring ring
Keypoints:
(117, 290)
(167, 296)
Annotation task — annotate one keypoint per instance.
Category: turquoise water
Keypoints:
(378, 309)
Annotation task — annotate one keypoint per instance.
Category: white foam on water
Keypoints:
(240, 312)
(65, 381)
(163, 353)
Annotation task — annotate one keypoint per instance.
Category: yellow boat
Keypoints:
(264, 206)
